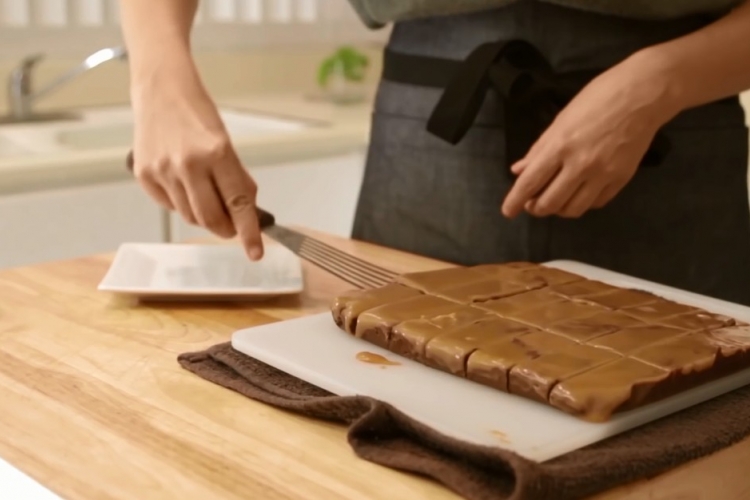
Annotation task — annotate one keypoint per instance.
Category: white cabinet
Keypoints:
(72, 222)
(319, 194)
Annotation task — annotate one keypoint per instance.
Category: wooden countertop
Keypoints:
(94, 404)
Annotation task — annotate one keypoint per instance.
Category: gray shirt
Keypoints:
(377, 13)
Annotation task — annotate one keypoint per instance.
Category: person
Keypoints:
(462, 165)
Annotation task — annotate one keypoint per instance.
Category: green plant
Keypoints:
(347, 61)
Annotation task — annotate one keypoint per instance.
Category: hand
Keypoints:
(594, 146)
(185, 161)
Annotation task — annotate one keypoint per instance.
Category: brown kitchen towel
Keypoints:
(383, 435)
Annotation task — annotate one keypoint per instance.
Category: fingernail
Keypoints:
(256, 253)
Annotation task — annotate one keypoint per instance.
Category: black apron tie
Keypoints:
(532, 94)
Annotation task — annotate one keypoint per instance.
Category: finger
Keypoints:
(607, 195)
(238, 191)
(556, 195)
(155, 191)
(583, 199)
(533, 178)
(207, 204)
(519, 166)
(179, 198)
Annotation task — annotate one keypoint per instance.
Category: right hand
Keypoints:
(184, 159)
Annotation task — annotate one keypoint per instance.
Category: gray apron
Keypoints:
(685, 223)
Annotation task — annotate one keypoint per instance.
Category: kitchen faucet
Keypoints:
(21, 95)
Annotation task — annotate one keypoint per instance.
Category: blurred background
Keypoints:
(294, 80)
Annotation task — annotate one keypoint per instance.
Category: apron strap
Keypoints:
(532, 94)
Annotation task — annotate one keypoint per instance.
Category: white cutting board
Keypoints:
(314, 349)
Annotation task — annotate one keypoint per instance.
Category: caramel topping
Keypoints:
(421, 306)
(698, 320)
(534, 378)
(622, 298)
(738, 335)
(511, 305)
(658, 310)
(583, 288)
(509, 265)
(490, 364)
(591, 327)
(348, 307)
(440, 279)
(685, 354)
(480, 291)
(555, 312)
(410, 337)
(630, 339)
(538, 276)
(375, 359)
(598, 393)
(449, 351)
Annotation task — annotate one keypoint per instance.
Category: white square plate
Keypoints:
(181, 271)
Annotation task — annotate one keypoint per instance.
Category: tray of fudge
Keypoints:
(581, 346)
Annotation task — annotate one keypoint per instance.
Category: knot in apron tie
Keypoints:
(532, 94)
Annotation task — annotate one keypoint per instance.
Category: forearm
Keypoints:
(157, 35)
(707, 65)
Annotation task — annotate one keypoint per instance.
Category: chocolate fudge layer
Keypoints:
(584, 347)
(535, 378)
(374, 325)
(450, 351)
(596, 394)
(410, 337)
(492, 362)
(347, 307)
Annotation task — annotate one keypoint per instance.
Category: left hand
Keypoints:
(595, 144)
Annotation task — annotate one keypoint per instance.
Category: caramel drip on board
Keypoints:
(501, 436)
(375, 359)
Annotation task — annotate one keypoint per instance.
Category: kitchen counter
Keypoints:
(333, 129)
(94, 404)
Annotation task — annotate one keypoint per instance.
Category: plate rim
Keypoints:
(106, 285)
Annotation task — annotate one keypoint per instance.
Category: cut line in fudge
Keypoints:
(450, 351)
(409, 338)
(648, 376)
(588, 328)
(374, 325)
(347, 307)
(491, 364)
(535, 378)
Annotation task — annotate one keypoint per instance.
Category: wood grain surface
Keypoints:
(95, 406)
